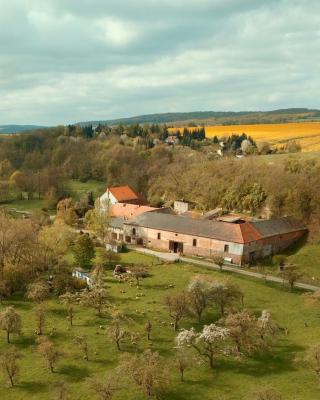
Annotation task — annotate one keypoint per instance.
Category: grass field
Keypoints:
(283, 369)
(74, 188)
(307, 258)
(77, 188)
(306, 133)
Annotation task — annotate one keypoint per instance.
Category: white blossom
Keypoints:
(186, 337)
(213, 333)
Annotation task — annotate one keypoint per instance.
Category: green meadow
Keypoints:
(283, 369)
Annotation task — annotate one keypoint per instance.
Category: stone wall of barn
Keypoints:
(192, 245)
(270, 246)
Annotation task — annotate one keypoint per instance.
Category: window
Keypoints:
(128, 239)
(159, 235)
(226, 248)
(121, 237)
(134, 231)
(114, 236)
(194, 243)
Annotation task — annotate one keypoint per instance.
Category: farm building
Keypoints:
(236, 240)
(127, 211)
(120, 194)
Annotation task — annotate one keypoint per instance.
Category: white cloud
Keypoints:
(63, 61)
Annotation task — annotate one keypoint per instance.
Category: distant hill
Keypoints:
(217, 117)
(18, 128)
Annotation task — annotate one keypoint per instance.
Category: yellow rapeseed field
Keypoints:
(307, 134)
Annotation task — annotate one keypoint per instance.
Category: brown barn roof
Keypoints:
(225, 231)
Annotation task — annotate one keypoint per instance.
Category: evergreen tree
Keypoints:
(83, 251)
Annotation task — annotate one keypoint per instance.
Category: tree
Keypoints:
(182, 361)
(243, 330)
(105, 388)
(218, 261)
(10, 322)
(148, 329)
(96, 297)
(69, 299)
(40, 314)
(118, 331)
(4, 290)
(38, 291)
(97, 274)
(198, 295)
(207, 343)
(60, 391)
(9, 363)
(66, 211)
(224, 294)
(146, 371)
(266, 394)
(139, 273)
(82, 343)
(177, 305)
(56, 239)
(48, 351)
(83, 251)
(97, 220)
(267, 327)
(313, 359)
(291, 274)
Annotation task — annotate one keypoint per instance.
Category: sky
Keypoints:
(65, 61)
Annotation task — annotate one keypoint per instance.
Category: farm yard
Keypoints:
(306, 133)
(283, 369)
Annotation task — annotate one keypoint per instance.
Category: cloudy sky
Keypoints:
(63, 61)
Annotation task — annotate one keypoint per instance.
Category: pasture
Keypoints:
(232, 379)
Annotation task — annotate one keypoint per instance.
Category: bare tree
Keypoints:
(182, 361)
(10, 322)
(291, 274)
(266, 394)
(60, 391)
(82, 343)
(9, 363)
(313, 359)
(40, 314)
(243, 330)
(224, 294)
(69, 299)
(139, 273)
(146, 371)
(198, 295)
(48, 351)
(105, 388)
(4, 290)
(218, 260)
(177, 305)
(148, 329)
(118, 330)
(38, 291)
(96, 297)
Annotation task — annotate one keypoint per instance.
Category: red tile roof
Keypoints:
(124, 193)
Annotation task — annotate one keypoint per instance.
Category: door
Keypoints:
(176, 247)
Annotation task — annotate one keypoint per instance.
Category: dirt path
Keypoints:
(175, 257)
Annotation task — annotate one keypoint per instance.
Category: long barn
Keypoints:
(237, 241)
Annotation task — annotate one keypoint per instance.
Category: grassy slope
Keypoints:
(231, 379)
(75, 189)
